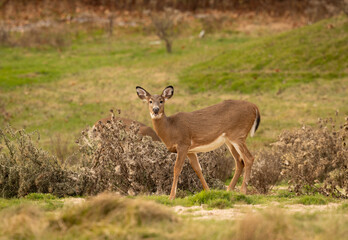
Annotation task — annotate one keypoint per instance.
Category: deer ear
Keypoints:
(168, 92)
(143, 94)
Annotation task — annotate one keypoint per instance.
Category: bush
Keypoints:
(313, 160)
(57, 36)
(25, 169)
(121, 160)
(316, 159)
(266, 171)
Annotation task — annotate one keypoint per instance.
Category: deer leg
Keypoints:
(179, 163)
(248, 162)
(197, 167)
(239, 167)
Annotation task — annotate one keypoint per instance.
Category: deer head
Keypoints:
(155, 102)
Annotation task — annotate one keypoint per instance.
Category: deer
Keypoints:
(188, 133)
(143, 129)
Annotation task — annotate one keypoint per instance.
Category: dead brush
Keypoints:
(25, 168)
(121, 160)
(315, 160)
(212, 23)
(266, 171)
(57, 36)
(166, 26)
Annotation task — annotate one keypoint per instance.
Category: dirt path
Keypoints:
(237, 212)
(240, 210)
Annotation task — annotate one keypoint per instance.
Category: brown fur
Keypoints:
(231, 121)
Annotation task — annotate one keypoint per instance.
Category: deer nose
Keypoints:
(155, 110)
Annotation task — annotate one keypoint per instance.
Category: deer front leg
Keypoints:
(179, 163)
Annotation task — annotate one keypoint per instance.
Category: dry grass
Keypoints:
(109, 216)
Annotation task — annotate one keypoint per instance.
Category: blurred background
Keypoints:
(65, 64)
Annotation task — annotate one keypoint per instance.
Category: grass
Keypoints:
(46, 202)
(226, 199)
(109, 216)
(62, 92)
(277, 62)
(312, 200)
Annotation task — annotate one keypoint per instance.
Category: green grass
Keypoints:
(110, 216)
(312, 200)
(277, 62)
(226, 199)
(62, 92)
(47, 202)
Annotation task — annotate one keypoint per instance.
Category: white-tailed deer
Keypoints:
(188, 133)
(143, 129)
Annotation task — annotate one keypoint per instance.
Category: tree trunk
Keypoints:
(168, 45)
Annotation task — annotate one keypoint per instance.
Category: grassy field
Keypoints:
(294, 77)
(106, 216)
(62, 92)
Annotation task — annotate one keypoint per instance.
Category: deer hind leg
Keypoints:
(248, 160)
(197, 167)
(179, 163)
(239, 166)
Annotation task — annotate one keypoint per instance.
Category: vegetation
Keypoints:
(277, 62)
(60, 87)
(312, 160)
(110, 216)
(224, 199)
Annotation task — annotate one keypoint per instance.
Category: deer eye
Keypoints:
(150, 101)
(161, 101)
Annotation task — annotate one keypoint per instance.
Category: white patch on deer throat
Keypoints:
(153, 116)
(218, 142)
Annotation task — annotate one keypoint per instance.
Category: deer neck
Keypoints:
(161, 128)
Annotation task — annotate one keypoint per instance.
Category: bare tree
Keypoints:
(164, 24)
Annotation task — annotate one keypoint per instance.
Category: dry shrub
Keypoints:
(166, 26)
(56, 36)
(25, 168)
(59, 147)
(212, 23)
(121, 160)
(313, 160)
(319, 9)
(266, 171)
(4, 36)
(316, 159)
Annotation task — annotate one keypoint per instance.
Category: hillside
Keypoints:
(318, 51)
